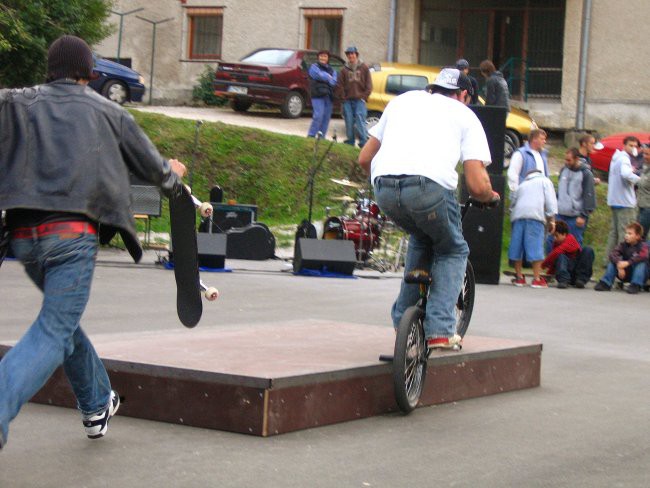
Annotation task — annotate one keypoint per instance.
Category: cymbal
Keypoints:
(343, 198)
(349, 183)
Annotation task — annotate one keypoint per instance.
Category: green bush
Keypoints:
(204, 90)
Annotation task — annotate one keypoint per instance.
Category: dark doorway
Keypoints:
(522, 37)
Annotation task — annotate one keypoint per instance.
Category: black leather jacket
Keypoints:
(64, 148)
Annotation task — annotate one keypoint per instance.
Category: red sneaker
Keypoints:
(455, 342)
(540, 283)
(519, 281)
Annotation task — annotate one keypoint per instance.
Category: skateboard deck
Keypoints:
(549, 278)
(186, 261)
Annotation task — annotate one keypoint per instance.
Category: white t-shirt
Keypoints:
(424, 134)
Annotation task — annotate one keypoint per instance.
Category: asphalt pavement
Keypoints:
(587, 425)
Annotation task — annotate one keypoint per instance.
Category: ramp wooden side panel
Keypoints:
(306, 375)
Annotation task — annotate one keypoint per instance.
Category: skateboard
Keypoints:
(549, 278)
(182, 208)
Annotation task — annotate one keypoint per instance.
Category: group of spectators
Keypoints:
(352, 85)
(537, 208)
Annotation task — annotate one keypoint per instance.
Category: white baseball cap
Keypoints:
(448, 78)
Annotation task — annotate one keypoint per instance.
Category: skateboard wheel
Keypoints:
(205, 209)
(211, 294)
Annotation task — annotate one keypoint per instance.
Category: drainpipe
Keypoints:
(391, 31)
(584, 54)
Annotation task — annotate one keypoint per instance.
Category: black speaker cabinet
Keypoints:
(212, 250)
(483, 230)
(324, 255)
(493, 120)
(255, 242)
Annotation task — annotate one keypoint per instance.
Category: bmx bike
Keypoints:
(411, 351)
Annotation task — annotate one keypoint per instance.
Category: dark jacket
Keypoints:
(354, 83)
(636, 253)
(64, 148)
(496, 91)
(322, 80)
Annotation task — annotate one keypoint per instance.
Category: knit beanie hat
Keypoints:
(69, 57)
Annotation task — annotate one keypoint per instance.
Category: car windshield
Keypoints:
(272, 57)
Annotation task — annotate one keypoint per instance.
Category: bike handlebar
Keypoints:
(493, 203)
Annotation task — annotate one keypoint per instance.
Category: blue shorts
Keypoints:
(527, 235)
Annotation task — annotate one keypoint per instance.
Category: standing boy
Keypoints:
(353, 88)
(533, 206)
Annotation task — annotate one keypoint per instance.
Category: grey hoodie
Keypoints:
(575, 192)
(534, 199)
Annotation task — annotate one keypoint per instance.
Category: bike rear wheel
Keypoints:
(465, 302)
(410, 359)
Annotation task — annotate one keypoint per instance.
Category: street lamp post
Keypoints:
(119, 36)
(153, 49)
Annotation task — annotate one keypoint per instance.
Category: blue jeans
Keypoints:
(638, 274)
(321, 115)
(431, 215)
(62, 268)
(569, 270)
(354, 114)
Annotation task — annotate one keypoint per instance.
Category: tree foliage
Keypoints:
(28, 27)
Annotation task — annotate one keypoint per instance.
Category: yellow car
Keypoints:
(392, 79)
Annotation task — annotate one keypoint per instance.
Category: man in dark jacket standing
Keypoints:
(353, 88)
(65, 161)
(496, 87)
(463, 66)
(322, 80)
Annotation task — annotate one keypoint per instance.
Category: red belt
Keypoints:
(61, 228)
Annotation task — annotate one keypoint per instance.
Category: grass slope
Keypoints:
(254, 166)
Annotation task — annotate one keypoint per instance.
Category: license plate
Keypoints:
(242, 90)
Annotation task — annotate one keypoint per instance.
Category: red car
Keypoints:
(601, 158)
(270, 76)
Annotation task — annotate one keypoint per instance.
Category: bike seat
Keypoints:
(417, 276)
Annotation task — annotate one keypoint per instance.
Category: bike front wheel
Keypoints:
(465, 302)
(410, 359)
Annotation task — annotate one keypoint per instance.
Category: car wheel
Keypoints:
(239, 105)
(372, 119)
(293, 105)
(115, 91)
(511, 142)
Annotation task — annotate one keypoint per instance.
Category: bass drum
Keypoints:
(364, 237)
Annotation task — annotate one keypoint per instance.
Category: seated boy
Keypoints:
(628, 261)
(570, 264)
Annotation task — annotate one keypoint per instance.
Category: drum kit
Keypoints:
(360, 221)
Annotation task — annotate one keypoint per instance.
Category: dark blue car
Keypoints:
(117, 82)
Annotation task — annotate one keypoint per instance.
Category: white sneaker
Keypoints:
(97, 425)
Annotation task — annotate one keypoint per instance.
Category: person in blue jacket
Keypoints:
(322, 80)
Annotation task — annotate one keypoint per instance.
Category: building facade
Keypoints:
(572, 63)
